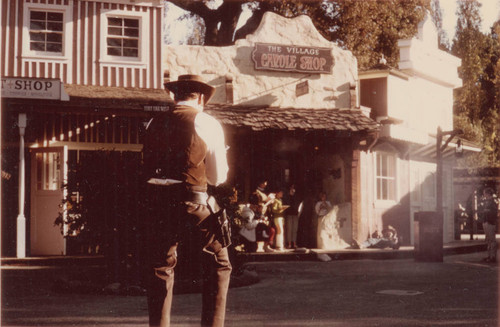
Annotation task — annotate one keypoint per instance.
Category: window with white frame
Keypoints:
(385, 176)
(123, 37)
(46, 31)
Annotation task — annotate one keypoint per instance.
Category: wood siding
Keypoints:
(86, 131)
(82, 63)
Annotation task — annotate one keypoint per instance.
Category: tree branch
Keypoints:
(196, 7)
(229, 13)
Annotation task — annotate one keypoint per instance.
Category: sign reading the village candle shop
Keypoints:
(32, 88)
(292, 58)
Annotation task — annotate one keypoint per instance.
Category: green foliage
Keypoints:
(72, 213)
(73, 216)
(474, 133)
(372, 28)
(476, 102)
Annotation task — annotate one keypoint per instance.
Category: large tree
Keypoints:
(490, 110)
(476, 102)
(368, 28)
(220, 23)
(371, 29)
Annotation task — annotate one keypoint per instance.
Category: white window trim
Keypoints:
(67, 31)
(143, 38)
(390, 202)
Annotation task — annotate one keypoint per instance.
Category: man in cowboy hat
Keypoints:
(184, 150)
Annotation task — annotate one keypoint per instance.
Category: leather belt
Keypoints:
(184, 192)
(197, 197)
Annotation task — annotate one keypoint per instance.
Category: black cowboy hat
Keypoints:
(192, 83)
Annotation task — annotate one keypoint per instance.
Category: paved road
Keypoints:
(462, 291)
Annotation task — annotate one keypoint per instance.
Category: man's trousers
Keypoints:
(490, 238)
(177, 221)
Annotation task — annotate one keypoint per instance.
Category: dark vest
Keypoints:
(173, 149)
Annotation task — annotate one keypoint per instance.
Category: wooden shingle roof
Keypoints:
(256, 118)
(117, 97)
(122, 93)
(274, 118)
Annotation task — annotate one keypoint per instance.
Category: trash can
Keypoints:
(428, 240)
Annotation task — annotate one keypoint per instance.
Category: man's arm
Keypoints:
(210, 131)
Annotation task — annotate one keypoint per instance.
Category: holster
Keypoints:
(218, 226)
(223, 229)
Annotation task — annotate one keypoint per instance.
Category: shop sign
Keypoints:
(292, 58)
(156, 108)
(31, 88)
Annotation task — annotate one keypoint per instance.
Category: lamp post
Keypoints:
(440, 148)
(439, 164)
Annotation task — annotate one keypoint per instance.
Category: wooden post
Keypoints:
(355, 194)
(439, 172)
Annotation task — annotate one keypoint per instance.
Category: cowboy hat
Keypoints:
(193, 83)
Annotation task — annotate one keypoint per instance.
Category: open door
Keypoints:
(48, 175)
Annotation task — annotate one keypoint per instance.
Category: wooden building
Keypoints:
(82, 75)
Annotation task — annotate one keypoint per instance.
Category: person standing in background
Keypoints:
(488, 213)
(291, 216)
(322, 207)
(279, 220)
(264, 199)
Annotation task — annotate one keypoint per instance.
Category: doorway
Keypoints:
(48, 179)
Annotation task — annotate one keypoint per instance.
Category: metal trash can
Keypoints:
(428, 240)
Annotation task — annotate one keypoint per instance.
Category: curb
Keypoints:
(348, 254)
(302, 255)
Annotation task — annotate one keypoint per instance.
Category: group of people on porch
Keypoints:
(263, 226)
(285, 219)
(270, 221)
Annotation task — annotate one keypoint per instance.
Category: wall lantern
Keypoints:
(459, 151)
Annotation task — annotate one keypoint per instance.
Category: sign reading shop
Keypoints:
(292, 58)
(34, 88)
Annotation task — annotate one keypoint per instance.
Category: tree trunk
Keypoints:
(229, 13)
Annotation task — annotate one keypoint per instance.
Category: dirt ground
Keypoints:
(461, 291)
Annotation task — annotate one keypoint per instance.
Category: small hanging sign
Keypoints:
(301, 88)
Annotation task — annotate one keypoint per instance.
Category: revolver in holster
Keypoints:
(218, 231)
(220, 227)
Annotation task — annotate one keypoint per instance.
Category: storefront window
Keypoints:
(46, 31)
(385, 176)
(123, 37)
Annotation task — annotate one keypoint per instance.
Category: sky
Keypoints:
(490, 12)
